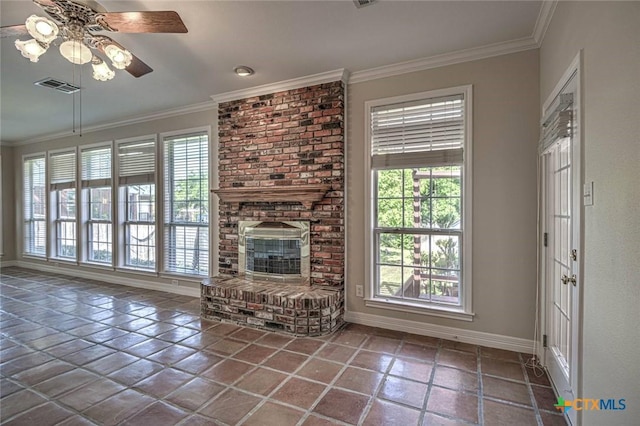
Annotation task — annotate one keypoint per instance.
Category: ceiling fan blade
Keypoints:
(144, 22)
(13, 31)
(44, 3)
(136, 68)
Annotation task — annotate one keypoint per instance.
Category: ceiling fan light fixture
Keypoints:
(101, 70)
(31, 49)
(120, 58)
(243, 71)
(42, 29)
(76, 52)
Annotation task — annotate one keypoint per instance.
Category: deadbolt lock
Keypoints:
(569, 279)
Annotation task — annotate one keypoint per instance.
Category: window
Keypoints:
(34, 206)
(62, 185)
(421, 203)
(137, 198)
(186, 204)
(96, 189)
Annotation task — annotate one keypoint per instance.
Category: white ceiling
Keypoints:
(281, 40)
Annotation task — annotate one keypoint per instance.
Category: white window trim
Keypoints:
(464, 311)
(26, 254)
(52, 232)
(160, 219)
(121, 219)
(85, 209)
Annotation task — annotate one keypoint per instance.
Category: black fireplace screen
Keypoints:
(273, 256)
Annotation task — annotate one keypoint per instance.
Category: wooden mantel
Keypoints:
(306, 195)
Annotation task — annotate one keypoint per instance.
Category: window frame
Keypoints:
(54, 207)
(464, 310)
(86, 204)
(31, 221)
(167, 227)
(122, 191)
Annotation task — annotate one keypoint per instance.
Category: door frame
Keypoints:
(573, 71)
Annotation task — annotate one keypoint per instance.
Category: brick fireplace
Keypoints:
(281, 160)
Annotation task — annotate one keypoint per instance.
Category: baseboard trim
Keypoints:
(109, 277)
(7, 263)
(450, 333)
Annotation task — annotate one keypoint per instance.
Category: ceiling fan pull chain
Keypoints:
(80, 101)
(73, 112)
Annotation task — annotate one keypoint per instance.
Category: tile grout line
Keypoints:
(423, 411)
(87, 304)
(329, 385)
(385, 375)
(534, 403)
(480, 388)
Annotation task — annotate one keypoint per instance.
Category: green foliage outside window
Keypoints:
(439, 207)
(191, 202)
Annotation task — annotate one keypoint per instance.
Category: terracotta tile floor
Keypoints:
(81, 352)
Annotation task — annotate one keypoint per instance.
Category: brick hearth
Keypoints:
(289, 308)
(290, 138)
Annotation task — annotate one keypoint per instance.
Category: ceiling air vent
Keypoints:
(59, 85)
(363, 3)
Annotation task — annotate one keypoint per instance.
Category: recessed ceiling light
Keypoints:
(243, 71)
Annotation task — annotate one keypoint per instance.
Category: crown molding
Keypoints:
(544, 19)
(445, 59)
(203, 106)
(296, 83)
(534, 41)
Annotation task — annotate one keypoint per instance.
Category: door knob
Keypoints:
(573, 280)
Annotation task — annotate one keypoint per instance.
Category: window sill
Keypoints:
(415, 308)
(62, 261)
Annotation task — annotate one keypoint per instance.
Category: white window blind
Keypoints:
(558, 123)
(136, 162)
(186, 203)
(96, 167)
(62, 166)
(34, 179)
(34, 205)
(426, 132)
(186, 178)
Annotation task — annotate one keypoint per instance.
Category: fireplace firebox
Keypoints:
(274, 251)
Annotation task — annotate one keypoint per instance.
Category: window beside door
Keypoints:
(420, 202)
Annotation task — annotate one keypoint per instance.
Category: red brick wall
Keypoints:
(295, 137)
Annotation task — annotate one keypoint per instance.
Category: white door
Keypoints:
(562, 203)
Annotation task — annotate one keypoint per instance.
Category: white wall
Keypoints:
(8, 206)
(505, 134)
(609, 35)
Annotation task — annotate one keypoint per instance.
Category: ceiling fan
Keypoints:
(76, 22)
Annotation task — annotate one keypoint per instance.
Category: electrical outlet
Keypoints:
(359, 291)
(174, 282)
